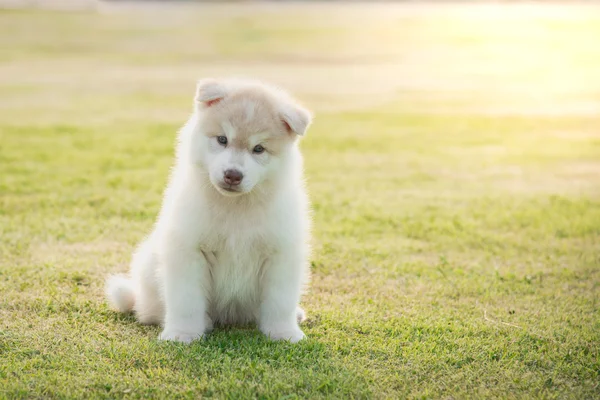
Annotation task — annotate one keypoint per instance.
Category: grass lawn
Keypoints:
(454, 169)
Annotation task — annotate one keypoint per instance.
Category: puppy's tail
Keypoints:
(119, 293)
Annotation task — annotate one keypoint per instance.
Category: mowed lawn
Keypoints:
(453, 166)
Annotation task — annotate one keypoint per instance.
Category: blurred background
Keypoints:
(520, 58)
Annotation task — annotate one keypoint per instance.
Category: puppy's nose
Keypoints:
(233, 177)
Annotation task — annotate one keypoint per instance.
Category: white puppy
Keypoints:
(230, 245)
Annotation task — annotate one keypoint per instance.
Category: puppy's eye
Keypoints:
(258, 149)
(222, 140)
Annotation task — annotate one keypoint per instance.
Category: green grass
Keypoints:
(454, 169)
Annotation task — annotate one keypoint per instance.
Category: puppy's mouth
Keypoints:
(229, 190)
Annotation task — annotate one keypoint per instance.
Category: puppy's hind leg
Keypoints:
(149, 308)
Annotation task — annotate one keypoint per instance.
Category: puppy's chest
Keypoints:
(235, 237)
(238, 248)
(242, 252)
(237, 268)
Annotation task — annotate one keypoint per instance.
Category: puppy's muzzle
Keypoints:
(233, 177)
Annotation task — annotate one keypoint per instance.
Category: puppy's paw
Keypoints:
(176, 335)
(292, 334)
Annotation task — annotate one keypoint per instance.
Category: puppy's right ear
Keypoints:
(209, 92)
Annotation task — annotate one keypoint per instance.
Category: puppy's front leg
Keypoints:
(186, 279)
(281, 290)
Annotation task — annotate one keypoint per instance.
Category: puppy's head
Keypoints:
(245, 133)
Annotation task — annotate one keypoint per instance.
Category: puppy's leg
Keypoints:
(139, 292)
(186, 278)
(144, 267)
(281, 289)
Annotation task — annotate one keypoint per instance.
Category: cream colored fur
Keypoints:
(223, 256)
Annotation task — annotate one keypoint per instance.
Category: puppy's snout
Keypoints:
(233, 177)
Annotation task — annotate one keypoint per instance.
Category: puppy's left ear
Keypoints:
(209, 92)
(296, 118)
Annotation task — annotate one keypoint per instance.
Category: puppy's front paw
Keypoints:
(291, 334)
(176, 335)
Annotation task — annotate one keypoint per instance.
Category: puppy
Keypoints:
(230, 244)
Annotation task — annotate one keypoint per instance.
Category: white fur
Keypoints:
(217, 257)
(119, 291)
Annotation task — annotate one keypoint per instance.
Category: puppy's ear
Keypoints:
(209, 92)
(296, 118)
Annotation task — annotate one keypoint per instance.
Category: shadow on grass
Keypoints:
(236, 362)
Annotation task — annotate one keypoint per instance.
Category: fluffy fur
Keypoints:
(222, 253)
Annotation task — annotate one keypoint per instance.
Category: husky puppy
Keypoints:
(230, 244)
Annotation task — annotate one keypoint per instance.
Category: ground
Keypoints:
(453, 166)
